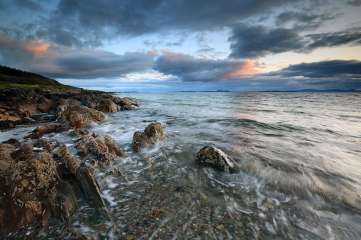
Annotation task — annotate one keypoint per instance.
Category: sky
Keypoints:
(186, 45)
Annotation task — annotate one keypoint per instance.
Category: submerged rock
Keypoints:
(152, 134)
(216, 158)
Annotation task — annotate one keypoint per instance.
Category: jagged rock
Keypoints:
(33, 174)
(82, 174)
(81, 116)
(71, 162)
(101, 148)
(28, 179)
(17, 105)
(151, 135)
(216, 158)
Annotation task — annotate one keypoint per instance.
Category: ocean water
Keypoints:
(300, 156)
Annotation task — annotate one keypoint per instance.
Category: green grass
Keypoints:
(13, 78)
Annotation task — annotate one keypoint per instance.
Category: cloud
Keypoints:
(354, 2)
(256, 41)
(91, 22)
(189, 68)
(341, 69)
(302, 20)
(64, 62)
(350, 36)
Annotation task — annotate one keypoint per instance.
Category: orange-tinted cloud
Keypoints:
(246, 68)
(34, 47)
(37, 48)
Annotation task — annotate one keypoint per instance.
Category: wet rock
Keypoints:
(45, 144)
(71, 162)
(33, 175)
(27, 180)
(64, 204)
(48, 128)
(107, 105)
(83, 175)
(101, 148)
(90, 186)
(18, 106)
(152, 134)
(216, 158)
(126, 103)
(81, 116)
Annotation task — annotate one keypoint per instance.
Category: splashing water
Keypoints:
(300, 157)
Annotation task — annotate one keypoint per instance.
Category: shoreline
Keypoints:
(41, 179)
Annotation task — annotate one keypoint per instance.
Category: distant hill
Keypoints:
(14, 78)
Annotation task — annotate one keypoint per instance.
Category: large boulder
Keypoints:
(152, 134)
(27, 177)
(36, 184)
(216, 158)
(103, 149)
(80, 116)
(107, 105)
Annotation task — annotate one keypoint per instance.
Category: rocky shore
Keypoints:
(41, 180)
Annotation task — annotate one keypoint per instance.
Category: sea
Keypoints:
(300, 178)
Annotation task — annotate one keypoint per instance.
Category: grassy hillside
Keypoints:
(13, 78)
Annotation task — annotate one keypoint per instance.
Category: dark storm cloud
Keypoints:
(302, 20)
(189, 68)
(352, 37)
(63, 62)
(100, 64)
(255, 41)
(324, 69)
(90, 22)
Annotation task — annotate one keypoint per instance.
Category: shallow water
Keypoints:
(301, 169)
